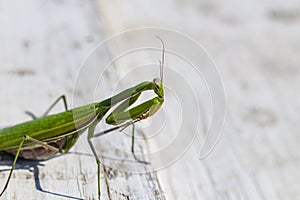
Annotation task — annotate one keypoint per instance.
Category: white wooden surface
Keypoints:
(255, 45)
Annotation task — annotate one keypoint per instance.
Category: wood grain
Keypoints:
(255, 46)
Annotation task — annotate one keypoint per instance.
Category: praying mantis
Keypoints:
(49, 135)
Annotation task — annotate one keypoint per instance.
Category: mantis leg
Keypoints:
(30, 114)
(132, 139)
(91, 131)
(25, 138)
(122, 127)
(62, 97)
(13, 166)
(91, 135)
(44, 144)
(132, 146)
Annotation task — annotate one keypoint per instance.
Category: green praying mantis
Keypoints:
(48, 135)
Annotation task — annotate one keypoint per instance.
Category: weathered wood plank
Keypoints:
(255, 46)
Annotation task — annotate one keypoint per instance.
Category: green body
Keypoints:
(50, 128)
(67, 126)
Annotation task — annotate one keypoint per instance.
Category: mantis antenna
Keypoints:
(162, 61)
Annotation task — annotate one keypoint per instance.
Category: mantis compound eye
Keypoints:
(157, 81)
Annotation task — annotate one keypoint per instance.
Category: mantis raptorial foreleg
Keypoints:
(62, 97)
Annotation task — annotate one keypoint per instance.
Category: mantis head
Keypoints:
(158, 87)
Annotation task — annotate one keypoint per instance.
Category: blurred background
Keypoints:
(253, 44)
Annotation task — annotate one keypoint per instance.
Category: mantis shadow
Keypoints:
(32, 166)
